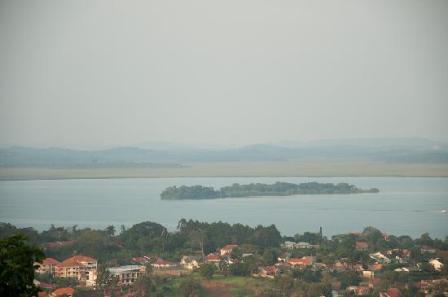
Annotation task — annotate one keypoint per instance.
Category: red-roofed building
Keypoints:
(83, 268)
(62, 292)
(304, 261)
(212, 258)
(47, 266)
(227, 249)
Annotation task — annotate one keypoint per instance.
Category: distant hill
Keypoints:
(407, 150)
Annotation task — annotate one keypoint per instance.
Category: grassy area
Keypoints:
(220, 286)
(232, 169)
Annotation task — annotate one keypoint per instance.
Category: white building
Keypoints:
(127, 274)
(189, 262)
(438, 266)
(379, 257)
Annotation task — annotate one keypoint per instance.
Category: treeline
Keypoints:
(194, 237)
(146, 238)
(258, 189)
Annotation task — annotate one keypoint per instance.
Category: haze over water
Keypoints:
(408, 206)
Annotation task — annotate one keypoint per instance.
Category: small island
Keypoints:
(257, 189)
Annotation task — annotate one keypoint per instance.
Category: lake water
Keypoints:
(409, 206)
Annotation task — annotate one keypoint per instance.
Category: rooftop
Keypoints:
(77, 260)
(125, 268)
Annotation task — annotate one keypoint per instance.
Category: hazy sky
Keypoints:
(103, 73)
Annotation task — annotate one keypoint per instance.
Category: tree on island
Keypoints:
(257, 189)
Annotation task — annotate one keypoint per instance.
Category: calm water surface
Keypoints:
(404, 206)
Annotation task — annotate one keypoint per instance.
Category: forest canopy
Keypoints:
(198, 192)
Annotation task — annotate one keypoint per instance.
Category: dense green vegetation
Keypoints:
(258, 247)
(147, 238)
(17, 260)
(258, 189)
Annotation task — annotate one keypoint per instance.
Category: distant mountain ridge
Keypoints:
(379, 150)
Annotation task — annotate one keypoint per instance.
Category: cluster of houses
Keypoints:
(84, 268)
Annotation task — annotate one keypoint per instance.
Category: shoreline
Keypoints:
(232, 169)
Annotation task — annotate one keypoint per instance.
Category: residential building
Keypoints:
(189, 262)
(212, 258)
(48, 265)
(380, 258)
(128, 274)
(438, 266)
(304, 261)
(83, 268)
(227, 249)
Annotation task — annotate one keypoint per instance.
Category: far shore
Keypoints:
(234, 169)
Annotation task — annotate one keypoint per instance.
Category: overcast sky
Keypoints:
(90, 74)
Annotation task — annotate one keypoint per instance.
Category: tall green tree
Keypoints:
(17, 258)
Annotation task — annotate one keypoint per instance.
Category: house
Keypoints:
(83, 268)
(304, 261)
(400, 255)
(379, 257)
(268, 271)
(126, 275)
(161, 263)
(66, 292)
(227, 249)
(298, 245)
(361, 245)
(438, 266)
(289, 245)
(189, 262)
(212, 258)
(48, 265)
